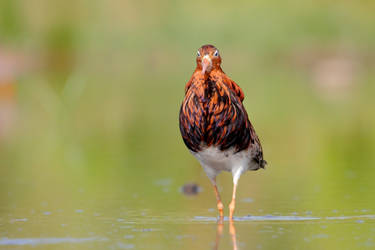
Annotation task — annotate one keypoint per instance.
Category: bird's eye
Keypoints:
(198, 53)
(216, 53)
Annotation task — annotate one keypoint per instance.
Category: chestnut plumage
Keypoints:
(214, 122)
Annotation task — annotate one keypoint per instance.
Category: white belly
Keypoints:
(214, 161)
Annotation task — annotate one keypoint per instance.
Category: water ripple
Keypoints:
(284, 218)
(45, 241)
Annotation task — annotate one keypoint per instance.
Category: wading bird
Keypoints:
(214, 124)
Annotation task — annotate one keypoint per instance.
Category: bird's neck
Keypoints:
(212, 74)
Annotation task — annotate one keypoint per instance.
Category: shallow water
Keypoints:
(71, 208)
(148, 210)
(122, 227)
(261, 232)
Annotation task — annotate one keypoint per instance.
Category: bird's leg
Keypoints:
(218, 200)
(232, 204)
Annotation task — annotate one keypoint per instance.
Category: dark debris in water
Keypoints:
(190, 189)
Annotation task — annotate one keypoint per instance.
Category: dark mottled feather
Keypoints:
(212, 114)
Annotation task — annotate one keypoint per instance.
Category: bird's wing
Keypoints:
(254, 140)
(192, 114)
(234, 87)
(189, 83)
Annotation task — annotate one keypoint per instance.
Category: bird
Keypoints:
(214, 124)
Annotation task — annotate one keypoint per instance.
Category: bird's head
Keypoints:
(208, 58)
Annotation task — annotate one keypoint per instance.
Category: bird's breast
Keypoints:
(213, 115)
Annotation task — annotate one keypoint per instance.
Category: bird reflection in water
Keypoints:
(219, 233)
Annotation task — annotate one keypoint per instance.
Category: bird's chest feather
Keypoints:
(212, 115)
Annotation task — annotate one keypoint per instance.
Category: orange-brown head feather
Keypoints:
(208, 59)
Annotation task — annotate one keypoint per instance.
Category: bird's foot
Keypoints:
(220, 207)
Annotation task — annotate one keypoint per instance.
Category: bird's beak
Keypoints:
(206, 64)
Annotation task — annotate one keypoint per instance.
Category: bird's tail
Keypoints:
(263, 163)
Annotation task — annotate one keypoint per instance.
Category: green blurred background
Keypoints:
(89, 99)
